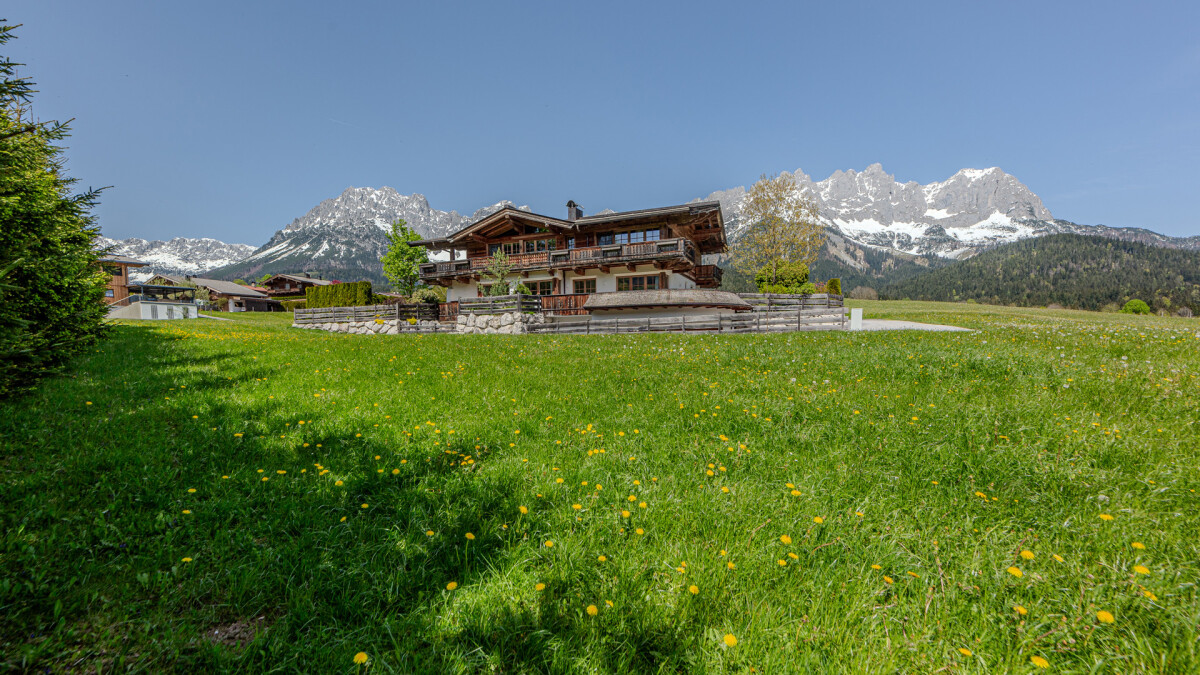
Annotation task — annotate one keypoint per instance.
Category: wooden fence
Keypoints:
(775, 302)
(828, 318)
(420, 312)
(568, 304)
(500, 304)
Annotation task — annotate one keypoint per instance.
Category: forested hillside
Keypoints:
(1072, 270)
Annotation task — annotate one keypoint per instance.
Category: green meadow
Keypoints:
(242, 496)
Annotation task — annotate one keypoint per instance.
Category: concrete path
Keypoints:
(891, 324)
(214, 318)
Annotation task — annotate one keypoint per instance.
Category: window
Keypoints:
(108, 293)
(621, 238)
(539, 245)
(584, 285)
(540, 287)
(605, 239)
(653, 235)
(644, 283)
(637, 237)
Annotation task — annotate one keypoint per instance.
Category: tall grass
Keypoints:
(825, 501)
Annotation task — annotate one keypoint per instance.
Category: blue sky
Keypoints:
(231, 119)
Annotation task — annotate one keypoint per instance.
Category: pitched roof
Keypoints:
(301, 277)
(227, 288)
(695, 297)
(175, 279)
(510, 212)
(121, 259)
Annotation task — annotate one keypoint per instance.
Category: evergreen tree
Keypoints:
(51, 282)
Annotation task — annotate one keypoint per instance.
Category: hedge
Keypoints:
(293, 305)
(354, 294)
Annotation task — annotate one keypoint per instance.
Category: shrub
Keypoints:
(521, 289)
(789, 275)
(293, 305)
(834, 286)
(864, 293)
(1054, 305)
(808, 288)
(1185, 312)
(426, 295)
(1111, 307)
(1135, 306)
(354, 294)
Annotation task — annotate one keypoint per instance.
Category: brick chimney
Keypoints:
(574, 212)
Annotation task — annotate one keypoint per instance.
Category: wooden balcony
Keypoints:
(678, 254)
(707, 276)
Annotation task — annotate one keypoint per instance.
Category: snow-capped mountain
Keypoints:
(972, 210)
(180, 255)
(344, 237)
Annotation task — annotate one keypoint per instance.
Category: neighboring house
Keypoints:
(118, 268)
(647, 250)
(292, 284)
(227, 295)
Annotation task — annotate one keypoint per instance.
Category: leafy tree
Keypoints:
(51, 281)
(401, 262)
(263, 279)
(495, 277)
(784, 227)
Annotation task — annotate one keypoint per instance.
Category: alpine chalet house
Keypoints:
(292, 284)
(648, 254)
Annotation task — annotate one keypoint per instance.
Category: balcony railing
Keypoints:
(680, 250)
(707, 276)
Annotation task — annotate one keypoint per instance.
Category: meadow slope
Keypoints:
(244, 496)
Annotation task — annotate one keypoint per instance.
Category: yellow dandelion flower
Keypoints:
(964, 651)
(577, 506)
(1057, 557)
(640, 531)
(876, 567)
(360, 658)
(1039, 662)
(1028, 555)
(793, 556)
(190, 490)
(602, 558)
(1105, 617)
(470, 537)
(592, 610)
(859, 514)
(1105, 516)
(730, 640)
(625, 514)
(785, 539)
(187, 560)
(1020, 610)
(795, 493)
(366, 506)
(428, 533)
(1141, 569)
(539, 587)
(889, 580)
(338, 483)
(818, 520)
(549, 544)
(523, 509)
(1016, 572)
(731, 566)
(781, 563)
(1138, 545)
(641, 505)
(693, 589)
(395, 472)
(187, 511)
(913, 575)
(452, 585)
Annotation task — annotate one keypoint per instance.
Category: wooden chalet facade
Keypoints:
(117, 267)
(651, 249)
(282, 285)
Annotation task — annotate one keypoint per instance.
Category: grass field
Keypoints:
(244, 496)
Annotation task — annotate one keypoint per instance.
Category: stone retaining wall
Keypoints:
(377, 327)
(513, 323)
